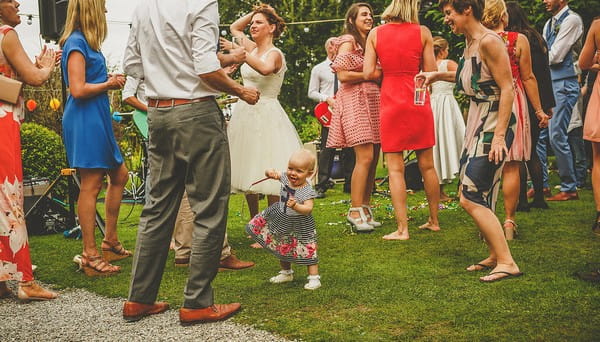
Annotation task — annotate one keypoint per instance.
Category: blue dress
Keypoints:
(87, 127)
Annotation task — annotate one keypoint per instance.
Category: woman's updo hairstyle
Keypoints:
(439, 44)
(272, 17)
(492, 13)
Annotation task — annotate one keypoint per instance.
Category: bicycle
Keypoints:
(135, 154)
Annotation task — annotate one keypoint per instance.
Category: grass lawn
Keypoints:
(382, 290)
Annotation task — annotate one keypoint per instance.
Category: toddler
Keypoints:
(287, 228)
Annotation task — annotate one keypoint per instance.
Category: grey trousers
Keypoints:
(188, 150)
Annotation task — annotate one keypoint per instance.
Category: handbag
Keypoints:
(323, 113)
(10, 89)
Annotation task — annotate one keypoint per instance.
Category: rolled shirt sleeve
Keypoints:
(132, 59)
(205, 39)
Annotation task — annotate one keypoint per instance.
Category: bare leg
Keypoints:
(114, 193)
(313, 269)
(432, 189)
(490, 227)
(360, 177)
(596, 173)
(371, 181)
(91, 183)
(395, 164)
(510, 188)
(443, 196)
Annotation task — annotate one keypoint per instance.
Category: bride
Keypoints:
(260, 136)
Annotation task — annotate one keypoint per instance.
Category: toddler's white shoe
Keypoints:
(284, 276)
(314, 282)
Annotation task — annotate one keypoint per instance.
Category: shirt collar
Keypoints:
(566, 8)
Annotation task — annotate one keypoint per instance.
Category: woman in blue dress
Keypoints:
(87, 131)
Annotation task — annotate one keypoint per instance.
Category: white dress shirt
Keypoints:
(570, 32)
(170, 44)
(134, 87)
(320, 86)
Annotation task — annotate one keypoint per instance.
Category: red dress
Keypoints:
(404, 126)
(15, 263)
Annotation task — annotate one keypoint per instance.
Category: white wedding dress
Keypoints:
(449, 128)
(261, 136)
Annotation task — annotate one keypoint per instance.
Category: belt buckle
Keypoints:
(172, 103)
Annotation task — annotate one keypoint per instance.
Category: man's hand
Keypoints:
(249, 95)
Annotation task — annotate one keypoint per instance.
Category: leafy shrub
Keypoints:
(42, 150)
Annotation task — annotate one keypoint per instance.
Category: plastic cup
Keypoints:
(420, 91)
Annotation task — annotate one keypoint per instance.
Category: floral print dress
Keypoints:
(289, 235)
(15, 261)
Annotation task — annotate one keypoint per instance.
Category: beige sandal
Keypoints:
(30, 290)
(114, 252)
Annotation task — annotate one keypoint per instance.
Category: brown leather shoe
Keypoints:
(233, 263)
(134, 311)
(564, 196)
(213, 313)
(531, 193)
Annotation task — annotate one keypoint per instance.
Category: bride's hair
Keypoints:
(272, 17)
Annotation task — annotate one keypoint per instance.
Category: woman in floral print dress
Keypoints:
(15, 261)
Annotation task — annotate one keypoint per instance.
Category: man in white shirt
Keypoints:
(134, 93)
(562, 32)
(173, 46)
(321, 88)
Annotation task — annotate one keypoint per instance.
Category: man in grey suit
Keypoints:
(173, 47)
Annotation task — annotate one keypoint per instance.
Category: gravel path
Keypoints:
(79, 315)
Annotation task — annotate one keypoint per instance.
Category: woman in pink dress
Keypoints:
(15, 261)
(404, 48)
(355, 119)
(590, 59)
(495, 17)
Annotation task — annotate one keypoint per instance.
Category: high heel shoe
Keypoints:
(96, 266)
(114, 252)
(369, 215)
(359, 223)
(32, 291)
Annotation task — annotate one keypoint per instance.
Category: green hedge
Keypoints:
(42, 150)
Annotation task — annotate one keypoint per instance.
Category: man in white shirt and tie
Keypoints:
(562, 33)
(322, 88)
(173, 47)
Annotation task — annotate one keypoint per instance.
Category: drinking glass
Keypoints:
(420, 91)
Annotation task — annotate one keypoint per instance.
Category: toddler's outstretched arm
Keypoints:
(304, 208)
(272, 173)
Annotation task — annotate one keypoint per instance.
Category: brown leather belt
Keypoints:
(163, 103)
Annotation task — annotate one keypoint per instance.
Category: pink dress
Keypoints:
(15, 262)
(591, 127)
(355, 118)
(521, 147)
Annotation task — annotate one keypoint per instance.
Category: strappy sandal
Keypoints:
(114, 252)
(33, 291)
(510, 232)
(96, 266)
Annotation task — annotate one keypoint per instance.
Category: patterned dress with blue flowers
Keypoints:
(289, 235)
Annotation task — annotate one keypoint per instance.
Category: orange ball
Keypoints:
(31, 105)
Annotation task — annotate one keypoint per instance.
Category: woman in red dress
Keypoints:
(15, 261)
(404, 48)
(355, 119)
